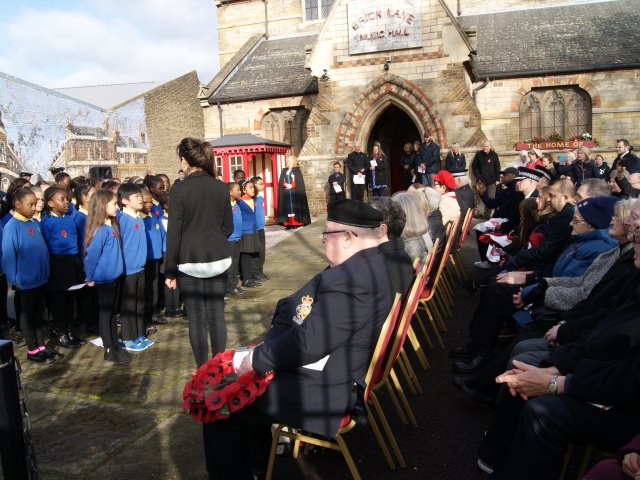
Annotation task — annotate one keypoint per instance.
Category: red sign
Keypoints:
(560, 145)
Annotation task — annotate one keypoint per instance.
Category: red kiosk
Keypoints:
(257, 157)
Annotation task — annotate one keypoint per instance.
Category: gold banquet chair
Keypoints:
(338, 443)
(457, 257)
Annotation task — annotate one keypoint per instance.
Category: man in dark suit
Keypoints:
(336, 184)
(319, 346)
(399, 262)
(357, 162)
(429, 160)
(626, 157)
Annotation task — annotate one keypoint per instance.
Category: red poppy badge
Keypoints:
(30, 232)
(63, 233)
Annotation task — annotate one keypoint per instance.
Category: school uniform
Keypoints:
(250, 243)
(104, 265)
(134, 251)
(155, 234)
(234, 243)
(25, 262)
(66, 269)
(158, 213)
(87, 299)
(5, 219)
(261, 221)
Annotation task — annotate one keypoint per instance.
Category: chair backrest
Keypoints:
(431, 259)
(445, 253)
(377, 359)
(466, 226)
(402, 326)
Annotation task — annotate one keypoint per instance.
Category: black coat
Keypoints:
(486, 167)
(401, 271)
(380, 169)
(578, 171)
(629, 161)
(339, 178)
(603, 171)
(350, 302)
(430, 156)
(298, 198)
(356, 161)
(464, 195)
(506, 204)
(455, 162)
(199, 224)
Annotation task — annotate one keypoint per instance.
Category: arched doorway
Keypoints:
(393, 129)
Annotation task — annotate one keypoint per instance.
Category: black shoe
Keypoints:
(471, 365)
(468, 351)
(158, 320)
(236, 291)
(117, 354)
(40, 357)
(261, 277)
(53, 354)
(174, 313)
(470, 286)
(150, 330)
(75, 339)
(462, 384)
(65, 342)
(251, 284)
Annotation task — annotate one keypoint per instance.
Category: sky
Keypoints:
(70, 43)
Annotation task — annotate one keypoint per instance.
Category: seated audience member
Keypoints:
(349, 301)
(399, 263)
(585, 392)
(634, 182)
(522, 160)
(415, 186)
(625, 467)
(602, 168)
(579, 169)
(546, 177)
(547, 164)
(464, 193)
(445, 185)
(416, 225)
(435, 227)
(619, 182)
(534, 158)
(592, 187)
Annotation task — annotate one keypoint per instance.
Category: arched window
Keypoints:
(565, 111)
(271, 127)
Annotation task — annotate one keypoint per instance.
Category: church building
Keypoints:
(320, 75)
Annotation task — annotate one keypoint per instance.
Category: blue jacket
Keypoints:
(134, 242)
(80, 220)
(155, 236)
(260, 217)
(103, 261)
(249, 225)
(60, 235)
(575, 260)
(237, 223)
(25, 258)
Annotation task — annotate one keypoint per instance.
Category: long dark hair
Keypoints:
(98, 214)
(7, 202)
(197, 154)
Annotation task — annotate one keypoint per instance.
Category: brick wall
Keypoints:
(172, 112)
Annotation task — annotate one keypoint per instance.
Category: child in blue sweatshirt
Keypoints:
(59, 231)
(234, 240)
(25, 261)
(134, 250)
(155, 236)
(250, 242)
(103, 267)
(258, 266)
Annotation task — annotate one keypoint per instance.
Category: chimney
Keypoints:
(143, 137)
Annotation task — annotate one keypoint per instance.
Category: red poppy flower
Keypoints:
(114, 234)
(157, 213)
(30, 231)
(63, 233)
(137, 226)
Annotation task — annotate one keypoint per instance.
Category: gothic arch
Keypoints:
(582, 81)
(373, 101)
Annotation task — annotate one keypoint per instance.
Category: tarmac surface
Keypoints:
(94, 420)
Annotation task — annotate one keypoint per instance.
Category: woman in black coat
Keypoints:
(378, 171)
(198, 253)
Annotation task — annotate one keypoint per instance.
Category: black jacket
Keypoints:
(200, 222)
(347, 306)
(464, 196)
(356, 161)
(381, 172)
(507, 204)
(430, 156)
(603, 171)
(339, 179)
(629, 161)
(578, 171)
(455, 162)
(399, 264)
(486, 167)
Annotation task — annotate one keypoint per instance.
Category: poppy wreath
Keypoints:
(214, 393)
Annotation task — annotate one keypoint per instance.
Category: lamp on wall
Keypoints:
(386, 66)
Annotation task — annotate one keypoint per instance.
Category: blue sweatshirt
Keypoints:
(134, 242)
(60, 235)
(72, 210)
(237, 223)
(8, 216)
(260, 217)
(25, 258)
(155, 234)
(103, 261)
(248, 218)
(80, 220)
(164, 221)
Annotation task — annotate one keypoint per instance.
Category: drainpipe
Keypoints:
(478, 88)
(459, 9)
(266, 20)
(220, 114)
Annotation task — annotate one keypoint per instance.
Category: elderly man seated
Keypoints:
(319, 346)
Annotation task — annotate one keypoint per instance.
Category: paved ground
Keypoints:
(93, 420)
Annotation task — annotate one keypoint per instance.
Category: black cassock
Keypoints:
(293, 209)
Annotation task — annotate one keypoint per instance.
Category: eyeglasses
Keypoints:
(636, 235)
(577, 220)
(329, 232)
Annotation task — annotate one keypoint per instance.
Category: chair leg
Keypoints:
(396, 404)
(348, 458)
(400, 362)
(434, 326)
(387, 429)
(406, 364)
(296, 448)
(417, 347)
(412, 333)
(403, 398)
(378, 434)
(274, 447)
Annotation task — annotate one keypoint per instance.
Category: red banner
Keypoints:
(560, 145)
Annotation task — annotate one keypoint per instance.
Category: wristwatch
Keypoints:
(553, 385)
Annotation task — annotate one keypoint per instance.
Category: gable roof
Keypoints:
(244, 139)
(556, 39)
(274, 68)
(106, 96)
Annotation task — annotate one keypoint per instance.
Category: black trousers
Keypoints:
(357, 192)
(132, 309)
(238, 447)
(4, 294)
(495, 307)
(62, 306)
(151, 269)
(233, 272)
(204, 303)
(334, 197)
(258, 261)
(31, 303)
(528, 440)
(247, 261)
(108, 300)
(87, 299)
